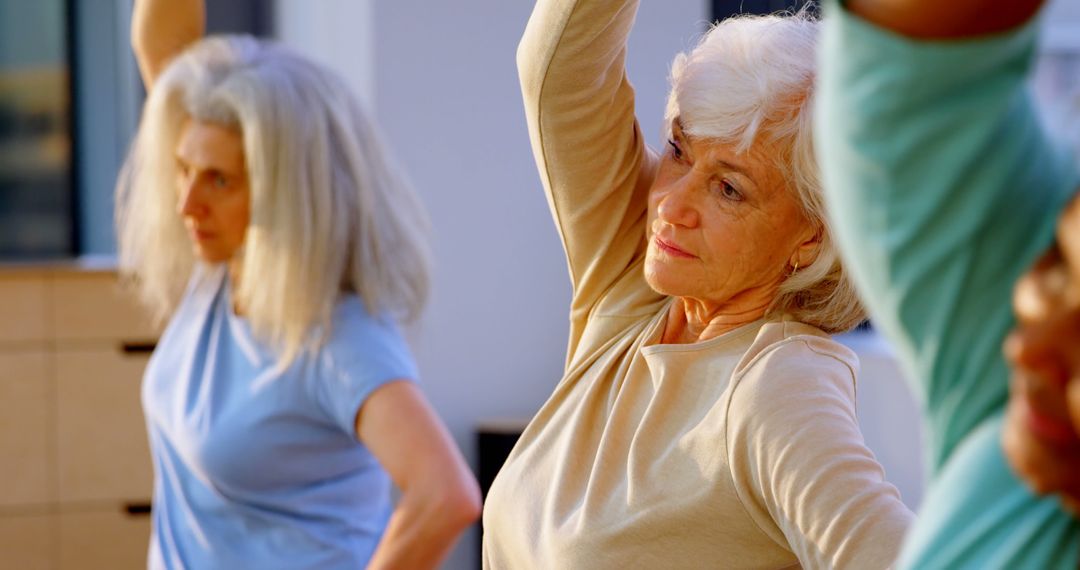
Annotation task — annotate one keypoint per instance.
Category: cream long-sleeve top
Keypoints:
(742, 451)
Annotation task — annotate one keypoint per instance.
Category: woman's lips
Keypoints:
(1047, 427)
(672, 249)
(201, 235)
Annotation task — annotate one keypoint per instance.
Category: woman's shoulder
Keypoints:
(358, 336)
(788, 348)
(351, 316)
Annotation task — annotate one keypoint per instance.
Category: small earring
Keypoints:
(795, 269)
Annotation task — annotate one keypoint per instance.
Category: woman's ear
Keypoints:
(807, 250)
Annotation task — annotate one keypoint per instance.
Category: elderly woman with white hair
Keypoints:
(705, 418)
(259, 211)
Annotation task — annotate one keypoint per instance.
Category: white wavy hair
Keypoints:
(330, 212)
(751, 79)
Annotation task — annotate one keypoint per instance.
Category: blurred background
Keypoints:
(440, 78)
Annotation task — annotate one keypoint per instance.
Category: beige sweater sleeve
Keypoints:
(799, 463)
(588, 147)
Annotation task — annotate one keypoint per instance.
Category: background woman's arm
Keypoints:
(161, 29)
(439, 495)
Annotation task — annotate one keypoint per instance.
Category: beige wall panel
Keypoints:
(28, 542)
(26, 429)
(22, 307)
(102, 451)
(109, 539)
(92, 306)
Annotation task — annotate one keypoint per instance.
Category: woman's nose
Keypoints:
(189, 203)
(1045, 332)
(677, 204)
(1039, 372)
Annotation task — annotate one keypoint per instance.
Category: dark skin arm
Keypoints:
(945, 19)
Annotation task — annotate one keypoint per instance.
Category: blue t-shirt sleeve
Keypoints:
(365, 354)
(943, 188)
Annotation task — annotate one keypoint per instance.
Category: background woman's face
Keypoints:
(212, 189)
(1042, 439)
(722, 225)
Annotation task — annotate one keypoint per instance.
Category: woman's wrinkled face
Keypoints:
(212, 189)
(723, 226)
(1043, 416)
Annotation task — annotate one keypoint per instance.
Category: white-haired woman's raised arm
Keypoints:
(161, 29)
(589, 150)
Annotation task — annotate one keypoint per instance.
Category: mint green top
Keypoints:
(943, 189)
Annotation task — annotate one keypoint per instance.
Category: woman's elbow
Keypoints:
(460, 504)
(448, 504)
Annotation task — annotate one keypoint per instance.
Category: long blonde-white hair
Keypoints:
(330, 212)
(751, 78)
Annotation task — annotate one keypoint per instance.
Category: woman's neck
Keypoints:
(692, 320)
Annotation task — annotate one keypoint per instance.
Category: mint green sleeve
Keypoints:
(943, 188)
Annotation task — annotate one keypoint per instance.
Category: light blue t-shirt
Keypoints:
(943, 188)
(259, 468)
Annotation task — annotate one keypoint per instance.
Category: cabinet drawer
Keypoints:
(103, 539)
(23, 310)
(93, 306)
(102, 448)
(28, 542)
(26, 428)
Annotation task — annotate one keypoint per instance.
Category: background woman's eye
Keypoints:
(220, 181)
(675, 150)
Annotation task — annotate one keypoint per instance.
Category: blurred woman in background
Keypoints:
(260, 213)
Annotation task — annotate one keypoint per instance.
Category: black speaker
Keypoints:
(494, 441)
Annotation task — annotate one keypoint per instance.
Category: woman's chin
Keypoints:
(210, 256)
(662, 280)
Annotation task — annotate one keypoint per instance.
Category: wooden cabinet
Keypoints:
(72, 432)
(28, 542)
(102, 450)
(92, 306)
(26, 427)
(23, 313)
(102, 539)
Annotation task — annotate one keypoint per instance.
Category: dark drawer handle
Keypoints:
(138, 347)
(138, 509)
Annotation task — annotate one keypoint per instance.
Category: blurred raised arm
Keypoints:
(161, 29)
(942, 185)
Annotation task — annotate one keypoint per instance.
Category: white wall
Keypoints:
(337, 33)
(889, 415)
